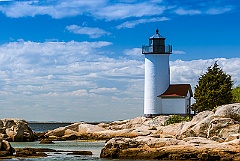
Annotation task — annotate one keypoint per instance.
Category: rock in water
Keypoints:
(46, 141)
(83, 152)
(5, 148)
(29, 152)
(140, 126)
(16, 130)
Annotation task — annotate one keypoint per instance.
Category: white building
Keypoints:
(159, 96)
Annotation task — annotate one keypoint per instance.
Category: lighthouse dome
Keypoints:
(157, 35)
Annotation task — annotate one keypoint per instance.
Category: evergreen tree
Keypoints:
(214, 89)
(236, 94)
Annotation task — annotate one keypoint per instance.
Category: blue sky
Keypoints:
(81, 60)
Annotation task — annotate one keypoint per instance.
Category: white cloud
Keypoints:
(146, 11)
(46, 64)
(90, 31)
(80, 93)
(219, 10)
(178, 52)
(189, 71)
(122, 11)
(182, 11)
(56, 9)
(98, 9)
(64, 77)
(50, 94)
(50, 48)
(56, 77)
(25, 8)
(132, 24)
(133, 52)
(103, 90)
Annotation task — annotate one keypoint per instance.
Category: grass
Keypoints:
(176, 119)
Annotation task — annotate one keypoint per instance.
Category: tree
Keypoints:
(214, 88)
(236, 94)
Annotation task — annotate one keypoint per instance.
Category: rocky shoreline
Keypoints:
(210, 135)
(191, 148)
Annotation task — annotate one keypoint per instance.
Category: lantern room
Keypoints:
(157, 45)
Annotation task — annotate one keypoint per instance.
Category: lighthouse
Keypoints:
(157, 73)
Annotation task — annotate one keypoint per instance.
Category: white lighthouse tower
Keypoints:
(157, 73)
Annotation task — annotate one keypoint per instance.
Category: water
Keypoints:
(41, 127)
(94, 147)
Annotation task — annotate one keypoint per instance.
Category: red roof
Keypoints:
(177, 90)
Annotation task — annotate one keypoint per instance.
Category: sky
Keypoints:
(81, 60)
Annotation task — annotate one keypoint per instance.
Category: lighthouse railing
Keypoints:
(147, 49)
(168, 49)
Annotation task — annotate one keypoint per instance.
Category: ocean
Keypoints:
(45, 126)
(94, 147)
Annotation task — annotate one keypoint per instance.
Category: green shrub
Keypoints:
(214, 88)
(236, 94)
(176, 119)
